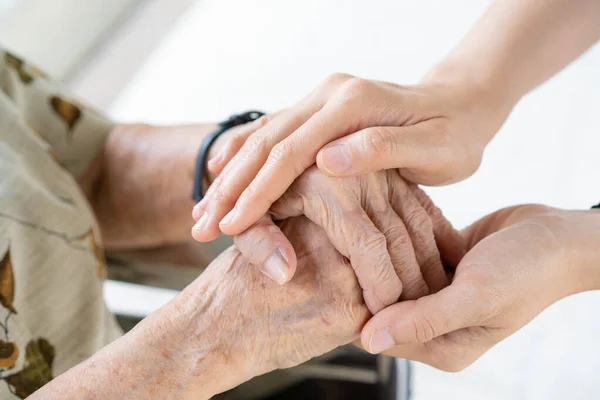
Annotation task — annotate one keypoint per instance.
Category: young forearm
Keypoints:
(518, 44)
(576, 234)
(584, 250)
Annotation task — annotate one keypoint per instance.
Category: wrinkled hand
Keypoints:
(435, 133)
(265, 326)
(382, 224)
(519, 261)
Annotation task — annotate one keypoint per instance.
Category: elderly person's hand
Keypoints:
(519, 261)
(228, 326)
(434, 133)
(382, 224)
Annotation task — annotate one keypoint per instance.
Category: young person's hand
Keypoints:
(433, 133)
(519, 261)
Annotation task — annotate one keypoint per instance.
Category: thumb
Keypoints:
(419, 321)
(417, 147)
(265, 246)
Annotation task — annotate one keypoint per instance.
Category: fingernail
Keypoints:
(336, 158)
(196, 212)
(227, 219)
(276, 267)
(380, 341)
(199, 226)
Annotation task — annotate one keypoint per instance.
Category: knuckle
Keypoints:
(236, 142)
(373, 242)
(395, 232)
(336, 79)
(403, 241)
(419, 221)
(355, 86)
(313, 176)
(262, 121)
(222, 195)
(256, 144)
(423, 329)
(257, 243)
(378, 143)
(374, 246)
(282, 155)
(282, 152)
(256, 192)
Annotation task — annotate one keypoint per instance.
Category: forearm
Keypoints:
(581, 236)
(181, 351)
(229, 325)
(519, 44)
(574, 234)
(142, 191)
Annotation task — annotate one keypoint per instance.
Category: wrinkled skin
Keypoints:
(230, 325)
(382, 224)
(265, 326)
(434, 133)
(518, 261)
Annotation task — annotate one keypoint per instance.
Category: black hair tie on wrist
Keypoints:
(234, 120)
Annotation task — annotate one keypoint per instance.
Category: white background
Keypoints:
(225, 56)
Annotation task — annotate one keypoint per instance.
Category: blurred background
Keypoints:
(176, 61)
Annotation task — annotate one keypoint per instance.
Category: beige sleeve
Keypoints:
(73, 131)
(52, 313)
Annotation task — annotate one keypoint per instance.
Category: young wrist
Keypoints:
(582, 235)
(476, 90)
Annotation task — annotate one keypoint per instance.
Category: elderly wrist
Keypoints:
(209, 317)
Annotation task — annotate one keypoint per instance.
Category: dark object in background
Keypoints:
(346, 373)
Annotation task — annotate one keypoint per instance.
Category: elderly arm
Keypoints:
(140, 184)
(229, 325)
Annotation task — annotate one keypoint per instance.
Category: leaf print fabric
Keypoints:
(52, 313)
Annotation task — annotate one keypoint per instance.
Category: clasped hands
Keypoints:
(437, 295)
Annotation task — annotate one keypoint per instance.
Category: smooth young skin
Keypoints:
(228, 326)
(518, 262)
(435, 132)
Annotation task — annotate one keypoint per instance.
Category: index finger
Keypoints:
(239, 172)
(286, 161)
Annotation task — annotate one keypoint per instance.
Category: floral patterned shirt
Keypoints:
(52, 314)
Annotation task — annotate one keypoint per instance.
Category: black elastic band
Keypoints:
(234, 120)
